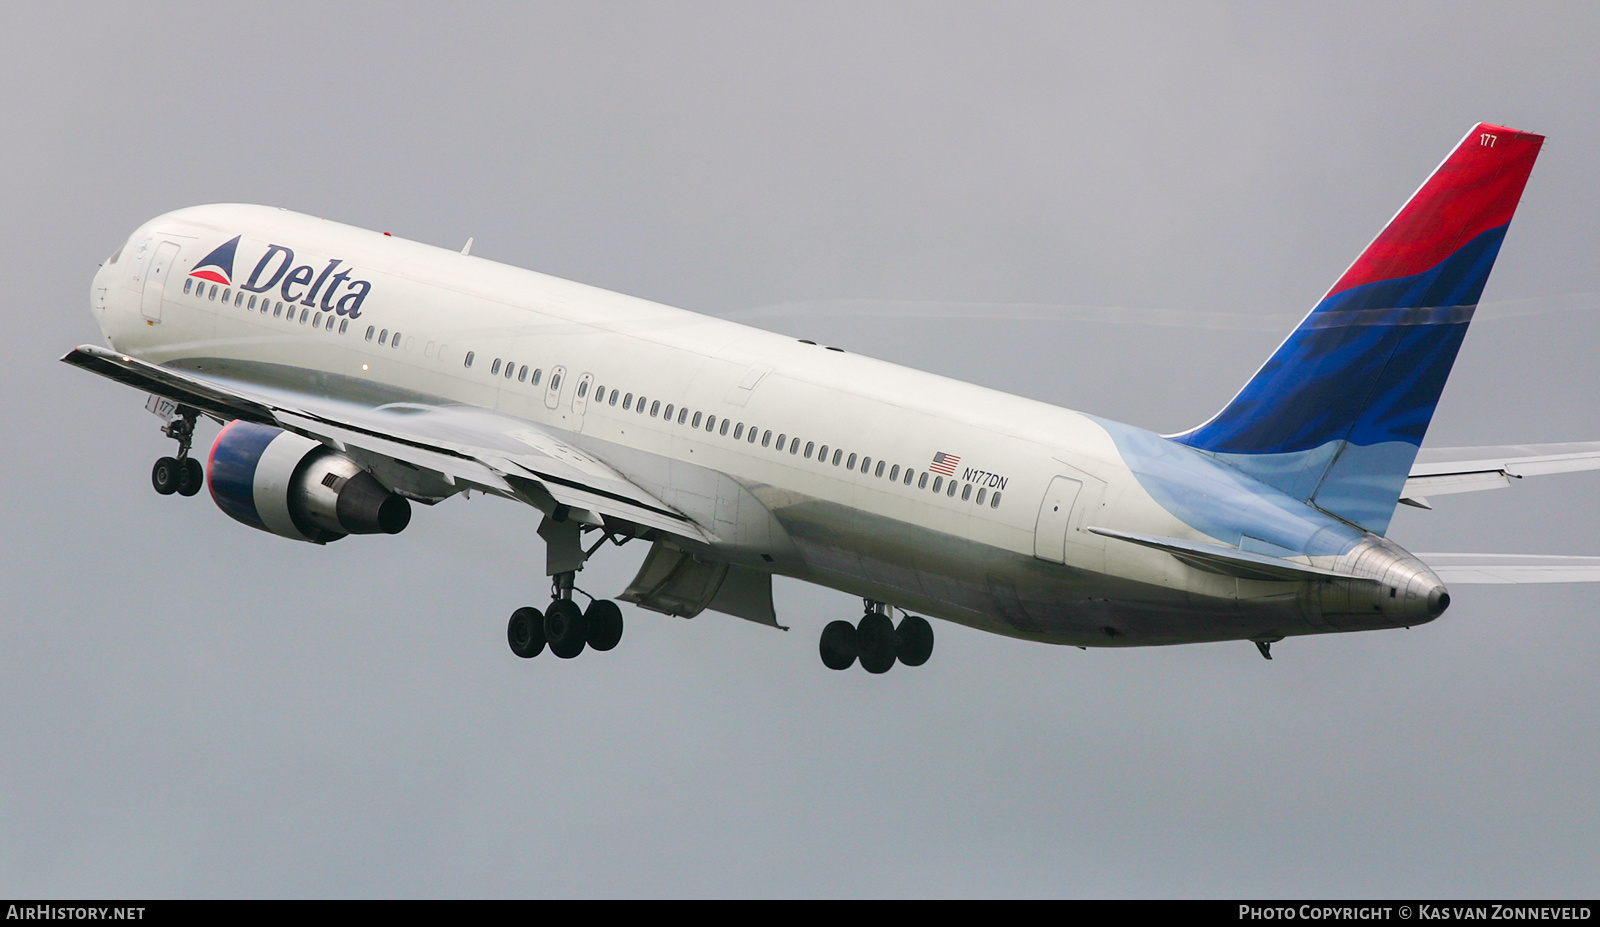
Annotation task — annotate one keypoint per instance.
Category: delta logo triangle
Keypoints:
(217, 266)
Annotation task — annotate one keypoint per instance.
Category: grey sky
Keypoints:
(191, 708)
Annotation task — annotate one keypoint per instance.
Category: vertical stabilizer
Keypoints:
(1336, 415)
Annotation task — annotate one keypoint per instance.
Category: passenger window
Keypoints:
(238, 299)
(752, 438)
(866, 464)
(188, 284)
(922, 481)
(371, 330)
(951, 489)
(850, 464)
(522, 375)
(344, 324)
(695, 422)
(879, 472)
(766, 439)
(599, 394)
(510, 367)
(994, 501)
(711, 423)
(836, 454)
(781, 439)
(317, 322)
(583, 389)
(225, 292)
(627, 402)
(979, 500)
(894, 473)
(724, 429)
(966, 491)
(395, 341)
(213, 292)
(304, 314)
(668, 416)
(537, 373)
(809, 446)
(470, 356)
(277, 310)
(252, 304)
(614, 399)
(683, 415)
(738, 431)
(909, 471)
(654, 408)
(555, 382)
(822, 455)
(938, 483)
(383, 338)
(494, 368)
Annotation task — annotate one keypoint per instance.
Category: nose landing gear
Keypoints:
(181, 474)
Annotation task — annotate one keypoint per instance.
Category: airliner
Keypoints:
(356, 375)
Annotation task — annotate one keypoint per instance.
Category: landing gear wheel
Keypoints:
(604, 620)
(191, 476)
(525, 632)
(165, 474)
(875, 634)
(838, 645)
(913, 641)
(564, 628)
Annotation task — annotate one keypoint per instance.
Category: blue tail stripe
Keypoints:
(1367, 366)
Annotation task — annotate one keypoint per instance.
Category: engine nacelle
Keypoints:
(296, 488)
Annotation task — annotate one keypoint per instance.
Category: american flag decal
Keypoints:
(944, 463)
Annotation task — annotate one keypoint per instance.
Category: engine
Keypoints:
(297, 488)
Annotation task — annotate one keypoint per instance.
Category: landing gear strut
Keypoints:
(876, 641)
(181, 474)
(563, 626)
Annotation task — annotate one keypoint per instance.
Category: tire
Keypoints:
(565, 629)
(875, 634)
(604, 620)
(191, 476)
(525, 633)
(164, 475)
(913, 641)
(838, 645)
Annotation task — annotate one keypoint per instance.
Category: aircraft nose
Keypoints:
(1438, 601)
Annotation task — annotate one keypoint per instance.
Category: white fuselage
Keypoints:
(1001, 545)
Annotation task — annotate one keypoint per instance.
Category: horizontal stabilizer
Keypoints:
(1442, 471)
(1228, 561)
(1512, 568)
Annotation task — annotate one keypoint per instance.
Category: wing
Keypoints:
(1445, 470)
(446, 447)
(1512, 568)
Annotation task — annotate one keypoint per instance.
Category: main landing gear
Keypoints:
(181, 474)
(876, 641)
(563, 626)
